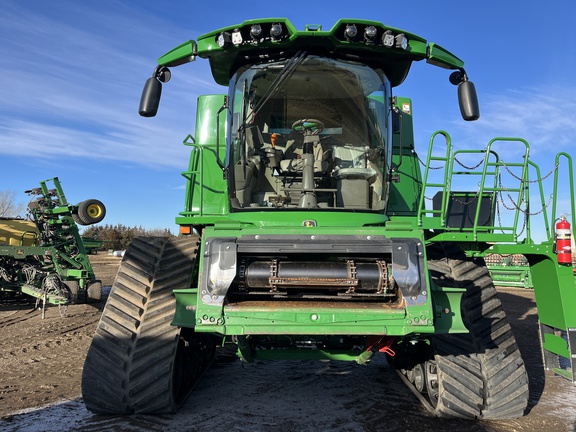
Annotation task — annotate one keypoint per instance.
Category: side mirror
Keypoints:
(468, 101)
(467, 97)
(150, 99)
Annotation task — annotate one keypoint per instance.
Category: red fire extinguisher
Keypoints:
(563, 241)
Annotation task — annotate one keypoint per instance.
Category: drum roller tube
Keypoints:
(365, 276)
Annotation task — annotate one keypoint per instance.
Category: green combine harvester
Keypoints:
(44, 256)
(311, 231)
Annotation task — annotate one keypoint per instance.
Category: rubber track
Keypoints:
(129, 365)
(480, 374)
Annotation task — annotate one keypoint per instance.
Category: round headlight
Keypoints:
(275, 30)
(370, 32)
(351, 31)
(255, 31)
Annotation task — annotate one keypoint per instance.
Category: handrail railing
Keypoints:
(195, 168)
(28, 234)
(542, 200)
(513, 193)
(422, 211)
(523, 188)
(554, 217)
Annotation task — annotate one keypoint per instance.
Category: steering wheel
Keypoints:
(308, 126)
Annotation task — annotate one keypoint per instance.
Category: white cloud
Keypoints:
(543, 116)
(72, 83)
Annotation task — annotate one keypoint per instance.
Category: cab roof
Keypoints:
(262, 40)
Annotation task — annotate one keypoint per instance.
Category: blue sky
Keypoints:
(71, 75)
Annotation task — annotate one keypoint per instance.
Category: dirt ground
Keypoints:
(41, 363)
(41, 359)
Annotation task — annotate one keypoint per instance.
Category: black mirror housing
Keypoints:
(150, 99)
(468, 101)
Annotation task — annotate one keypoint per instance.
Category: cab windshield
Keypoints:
(309, 132)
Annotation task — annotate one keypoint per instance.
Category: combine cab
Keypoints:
(44, 256)
(307, 233)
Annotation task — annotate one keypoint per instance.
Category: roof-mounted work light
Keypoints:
(223, 39)
(351, 31)
(400, 41)
(256, 31)
(370, 33)
(276, 30)
(388, 39)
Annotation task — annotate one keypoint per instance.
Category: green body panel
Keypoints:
(441, 57)
(405, 193)
(555, 291)
(447, 308)
(511, 276)
(206, 188)
(320, 319)
(285, 219)
(438, 314)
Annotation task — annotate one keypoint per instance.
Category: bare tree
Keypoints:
(9, 206)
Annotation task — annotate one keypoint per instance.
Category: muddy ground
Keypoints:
(41, 363)
(41, 359)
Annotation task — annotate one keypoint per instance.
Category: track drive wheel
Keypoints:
(480, 374)
(138, 362)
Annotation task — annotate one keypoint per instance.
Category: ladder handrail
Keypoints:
(555, 191)
(491, 183)
(446, 158)
(524, 194)
(197, 161)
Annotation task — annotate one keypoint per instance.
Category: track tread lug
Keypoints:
(480, 374)
(135, 336)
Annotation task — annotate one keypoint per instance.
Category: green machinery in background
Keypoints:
(312, 229)
(44, 256)
(509, 271)
(92, 245)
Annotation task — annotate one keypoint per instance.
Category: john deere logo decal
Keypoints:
(309, 223)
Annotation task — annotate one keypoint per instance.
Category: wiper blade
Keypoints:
(283, 75)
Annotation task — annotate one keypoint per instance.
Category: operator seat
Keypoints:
(350, 163)
(353, 176)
